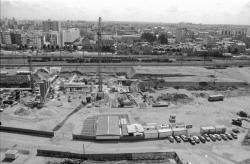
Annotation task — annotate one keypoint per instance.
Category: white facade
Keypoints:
(52, 37)
(69, 35)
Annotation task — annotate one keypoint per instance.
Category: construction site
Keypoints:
(52, 113)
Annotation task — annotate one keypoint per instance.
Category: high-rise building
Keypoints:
(181, 34)
(248, 32)
(6, 38)
(51, 25)
(1, 39)
(69, 35)
(226, 33)
(32, 39)
(52, 37)
(16, 38)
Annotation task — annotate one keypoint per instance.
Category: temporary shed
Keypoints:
(220, 129)
(11, 154)
(135, 128)
(151, 134)
(207, 130)
(163, 133)
(179, 131)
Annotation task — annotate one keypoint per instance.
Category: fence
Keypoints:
(32, 132)
(112, 157)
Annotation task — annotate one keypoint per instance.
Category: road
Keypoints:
(209, 152)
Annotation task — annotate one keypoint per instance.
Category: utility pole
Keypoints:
(99, 34)
(31, 73)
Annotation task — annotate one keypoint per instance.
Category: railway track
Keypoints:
(128, 64)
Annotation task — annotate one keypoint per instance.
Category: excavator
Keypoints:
(243, 116)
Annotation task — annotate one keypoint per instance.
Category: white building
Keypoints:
(52, 37)
(33, 39)
(69, 35)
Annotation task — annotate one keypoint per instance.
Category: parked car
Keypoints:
(184, 138)
(229, 136)
(202, 139)
(217, 136)
(234, 135)
(236, 130)
(191, 140)
(196, 139)
(177, 138)
(223, 136)
(212, 137)
(206, 137)
(171, 139)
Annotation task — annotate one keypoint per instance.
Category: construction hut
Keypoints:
(107, 128)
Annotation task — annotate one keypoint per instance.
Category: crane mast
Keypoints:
(99, 34)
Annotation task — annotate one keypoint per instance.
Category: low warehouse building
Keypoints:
(15, 81)
(108, 128)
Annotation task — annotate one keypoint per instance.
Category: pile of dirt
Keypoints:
(46, 112)
(22, 111)
(236, 93)
(246, 140)
(201, 94)
(175, 98)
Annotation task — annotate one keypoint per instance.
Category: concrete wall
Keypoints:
(82, 137)
(112, 157)
(32, 132)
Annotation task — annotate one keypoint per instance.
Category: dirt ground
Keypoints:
(197, 112)
(45, 118)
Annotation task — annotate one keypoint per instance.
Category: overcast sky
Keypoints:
(172, 11)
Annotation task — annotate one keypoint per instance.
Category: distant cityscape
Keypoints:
(125, 38)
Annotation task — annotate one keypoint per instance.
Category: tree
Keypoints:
(163, 39)
(52, 47)
(75, 47)
(44, 46)
(149, 37)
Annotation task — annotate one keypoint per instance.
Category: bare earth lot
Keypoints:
(198, 112)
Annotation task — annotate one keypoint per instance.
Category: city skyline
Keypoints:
(193, 11)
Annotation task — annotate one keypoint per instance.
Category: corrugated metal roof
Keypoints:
(108, 125)
(135, 128)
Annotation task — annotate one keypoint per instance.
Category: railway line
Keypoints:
(116, 60)
(128, 64)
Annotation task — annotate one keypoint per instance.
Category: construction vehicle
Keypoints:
(172, 118)
(242, 114)
(237, 122)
